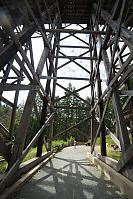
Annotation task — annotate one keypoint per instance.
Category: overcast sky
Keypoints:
(70, 70)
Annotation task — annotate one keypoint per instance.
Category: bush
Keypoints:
(71, 140)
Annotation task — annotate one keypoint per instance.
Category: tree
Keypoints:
(72, 116)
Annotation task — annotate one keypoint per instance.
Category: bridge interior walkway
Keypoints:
(69, 175)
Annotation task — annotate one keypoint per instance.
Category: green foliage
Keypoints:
(114, 154)
(72, 116)
(32, 129)
(58, 143)
(32, 153)
(4, 109)
(5, 115)
(108, 140)
(3, 167)
(109, 117)
(110, 151)
(71, 140)
(68, 116)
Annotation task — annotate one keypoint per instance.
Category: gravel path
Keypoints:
(69, 176)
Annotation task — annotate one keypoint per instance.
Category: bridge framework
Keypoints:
(110, 45)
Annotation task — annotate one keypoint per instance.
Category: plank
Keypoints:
(74, 31)
(10, 50)
(17, 87)
(126, 157)
(4, 150)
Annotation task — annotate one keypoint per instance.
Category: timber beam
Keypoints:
(76, 31)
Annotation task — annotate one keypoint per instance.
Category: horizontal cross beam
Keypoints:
(12, 87)
(75, 57)
(76, 31)
(66, 78)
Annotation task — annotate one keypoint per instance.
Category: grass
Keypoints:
(31, 154)
(3, 167)
(108, 140)
(114, 154)
(110, 151)
(58, 142)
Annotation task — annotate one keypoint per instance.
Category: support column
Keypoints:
(45, 102)
(100, 106)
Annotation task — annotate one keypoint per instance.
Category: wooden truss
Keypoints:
(109, 48)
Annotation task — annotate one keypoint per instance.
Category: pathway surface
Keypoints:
(69, 176)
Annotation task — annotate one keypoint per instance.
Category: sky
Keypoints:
(70, 70)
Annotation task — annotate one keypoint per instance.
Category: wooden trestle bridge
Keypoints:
(108, 26)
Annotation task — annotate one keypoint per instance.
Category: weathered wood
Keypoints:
(123, 134)
(106, 31)
(4, 132)
(28, 165)
(128, 117)
(126, 157)
(38, 25)
(75, 91)
(116, 102)
(17, 87)
(74, 57)
(51, 132)
(71, 92)
(73, 129)
(4, 150)
(21, 135)
(66, 78)
(101, 108)
(111, 162)
(36, 111)
(69, 129)
(21, 64)
(36, 137)
(127, 92)
(113, 137)
(4, 129)
(73, 60)
(65, 46)
(15, 166)
(45, 100)
(124, 139)
(22, 130)
(101, 121)
(11, 50)
(31, 53)
(126, 103)
(128, 73)
(12, 123)
(76, 31)
(125, 34)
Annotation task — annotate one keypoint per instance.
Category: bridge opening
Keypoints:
(71, 62)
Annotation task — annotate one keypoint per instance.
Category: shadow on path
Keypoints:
(69, 176)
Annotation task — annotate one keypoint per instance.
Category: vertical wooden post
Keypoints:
(50, 133)
(13, 115)
(22, 130)
(131, 107)
(92, 114)
(57, 38)
(100, 105)
(92, 100)
(42, 121)
(45, 102)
